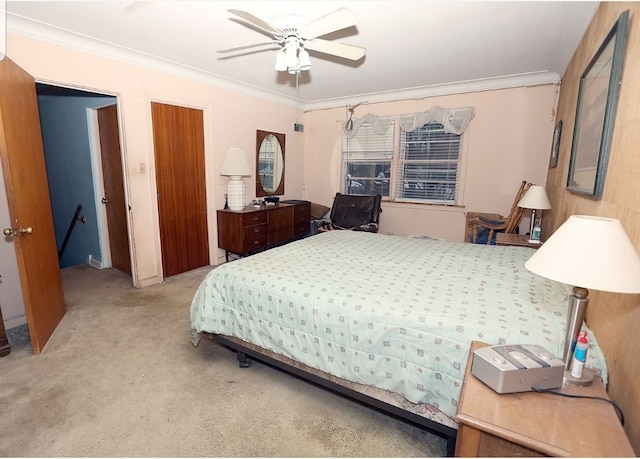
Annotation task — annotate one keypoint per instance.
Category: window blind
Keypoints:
(428, 165)
(367, 160)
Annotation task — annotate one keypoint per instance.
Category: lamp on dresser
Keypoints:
(587, 252)
(235, 166)
(535, 199)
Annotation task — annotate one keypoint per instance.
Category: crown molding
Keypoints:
(44, 32)
(462, 87)
(29, 28)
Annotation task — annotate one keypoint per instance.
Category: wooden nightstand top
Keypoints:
(544, 423)
(521, 240)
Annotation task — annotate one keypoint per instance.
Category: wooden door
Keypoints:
(178, 139)
(25, 179)
(114, 199)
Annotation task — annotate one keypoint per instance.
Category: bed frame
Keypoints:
(374, 398)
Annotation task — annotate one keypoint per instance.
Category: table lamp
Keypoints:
(235, 166)
(535, 199)
(587, 252)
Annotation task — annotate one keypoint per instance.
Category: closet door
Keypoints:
(178, 136)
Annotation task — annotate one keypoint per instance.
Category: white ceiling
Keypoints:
(418, 47)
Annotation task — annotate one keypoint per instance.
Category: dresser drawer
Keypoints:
(301, 228)
(255, 218)
(255, 236)
(282, 235)
(302, 214)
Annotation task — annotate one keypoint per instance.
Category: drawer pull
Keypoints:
(257, 230)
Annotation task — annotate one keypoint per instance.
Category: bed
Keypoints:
(385, 319)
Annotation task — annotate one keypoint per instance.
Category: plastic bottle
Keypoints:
(536, 230)
(579, 356)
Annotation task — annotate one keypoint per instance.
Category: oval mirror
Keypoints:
(269, 164)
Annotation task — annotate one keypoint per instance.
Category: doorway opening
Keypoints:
(81, 139)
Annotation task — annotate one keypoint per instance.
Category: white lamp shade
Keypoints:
(535, 198)
(280, 65)
(291, 55)
(304, 62)
(589, 252)
(234, 163)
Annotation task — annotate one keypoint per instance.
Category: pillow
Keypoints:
(318, 211)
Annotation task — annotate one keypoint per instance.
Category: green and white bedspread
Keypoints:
(397, 313)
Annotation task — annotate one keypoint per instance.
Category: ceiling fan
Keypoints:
(296, 36)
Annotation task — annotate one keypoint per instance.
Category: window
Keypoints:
(422, 165)
(367, 161)
(428, 165)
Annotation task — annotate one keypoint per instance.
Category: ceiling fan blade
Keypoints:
(240, 48)
(257, 22)
(338, 20)
(336, 49)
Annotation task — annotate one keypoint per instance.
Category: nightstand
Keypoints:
(536, 424)
(520, 240)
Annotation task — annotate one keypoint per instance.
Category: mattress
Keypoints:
(391, 312)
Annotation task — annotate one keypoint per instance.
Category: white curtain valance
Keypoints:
(380, 124)
(454, 120)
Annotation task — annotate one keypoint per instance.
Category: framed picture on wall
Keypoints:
(555, 146)
(595, 114)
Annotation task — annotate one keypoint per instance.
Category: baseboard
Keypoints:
(15, 321)
(94, 262)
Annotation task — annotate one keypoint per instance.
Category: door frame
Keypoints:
(96, 169)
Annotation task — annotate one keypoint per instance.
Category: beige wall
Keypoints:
(231, 120)
(508, 141)
(615, 318)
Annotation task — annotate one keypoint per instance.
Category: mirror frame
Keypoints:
(279, 190)
(594, 104)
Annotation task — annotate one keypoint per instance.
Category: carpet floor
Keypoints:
(120, 378)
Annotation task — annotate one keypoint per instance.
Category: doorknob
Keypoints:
(105, 201)
(22, 231)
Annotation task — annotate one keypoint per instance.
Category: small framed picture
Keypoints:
(555, 146)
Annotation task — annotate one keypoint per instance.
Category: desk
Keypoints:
(537, 424)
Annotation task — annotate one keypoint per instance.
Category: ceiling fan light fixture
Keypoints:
(304, 63)
(291, 53)
(293, 33)
(280, 65)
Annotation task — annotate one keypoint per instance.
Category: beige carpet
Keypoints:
(119, 377)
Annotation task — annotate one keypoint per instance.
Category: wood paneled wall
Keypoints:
(615, 318)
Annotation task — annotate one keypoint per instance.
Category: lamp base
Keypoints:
(584, 381)
(235, 193)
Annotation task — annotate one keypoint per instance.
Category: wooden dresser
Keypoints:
(256, 228)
